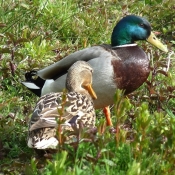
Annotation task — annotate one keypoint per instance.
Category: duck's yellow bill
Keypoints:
(91, 91)
(154, 41)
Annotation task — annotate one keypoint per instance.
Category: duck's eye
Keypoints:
(142, 25)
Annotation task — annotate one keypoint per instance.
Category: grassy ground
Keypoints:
(34, 34)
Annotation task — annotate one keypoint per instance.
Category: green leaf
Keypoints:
(10, 36)
(21, 40)
(5, 50)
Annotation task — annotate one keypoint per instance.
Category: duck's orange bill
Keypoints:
(91, 91)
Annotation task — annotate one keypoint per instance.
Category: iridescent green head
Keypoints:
(133, 28)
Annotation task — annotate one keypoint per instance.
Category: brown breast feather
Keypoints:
(131, 68)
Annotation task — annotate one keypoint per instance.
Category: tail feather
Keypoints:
(50, 143)
(34, 85)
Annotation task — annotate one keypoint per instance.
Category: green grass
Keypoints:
(145, 120)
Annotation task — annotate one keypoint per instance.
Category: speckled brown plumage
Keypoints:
(47, 108)
(73, 108)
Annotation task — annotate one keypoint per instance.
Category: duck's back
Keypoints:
(72, 108)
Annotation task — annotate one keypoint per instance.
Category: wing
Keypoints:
(59, 68)
(47, 109)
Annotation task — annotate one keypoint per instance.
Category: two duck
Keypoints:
(122, 64)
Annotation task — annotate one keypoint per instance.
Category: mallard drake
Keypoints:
(121, 64)
(77, 103)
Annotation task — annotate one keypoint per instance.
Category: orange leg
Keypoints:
(107, 113)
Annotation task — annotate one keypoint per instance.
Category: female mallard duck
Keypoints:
(78, 106)
(121, 65)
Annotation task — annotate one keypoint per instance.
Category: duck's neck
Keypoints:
(126, 45)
